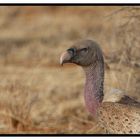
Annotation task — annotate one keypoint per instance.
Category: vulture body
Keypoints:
(122, 117)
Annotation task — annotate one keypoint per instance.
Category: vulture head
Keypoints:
(88, 55)
(83, 53)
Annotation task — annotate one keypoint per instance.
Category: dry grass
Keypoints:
(39, 96)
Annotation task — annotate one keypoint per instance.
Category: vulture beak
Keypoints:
(65, 57)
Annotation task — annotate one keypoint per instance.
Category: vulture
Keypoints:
(121, 117)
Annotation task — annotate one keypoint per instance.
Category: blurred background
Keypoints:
(37, 95)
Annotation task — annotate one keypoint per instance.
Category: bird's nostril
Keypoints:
(73, 50)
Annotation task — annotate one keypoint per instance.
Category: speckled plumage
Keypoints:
(118, 118)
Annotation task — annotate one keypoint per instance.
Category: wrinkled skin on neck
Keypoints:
(93, 91)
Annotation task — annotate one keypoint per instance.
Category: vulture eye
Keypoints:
(84, 49)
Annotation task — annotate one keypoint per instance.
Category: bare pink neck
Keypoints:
(94, 86)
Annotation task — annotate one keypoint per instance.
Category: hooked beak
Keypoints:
(65, 57)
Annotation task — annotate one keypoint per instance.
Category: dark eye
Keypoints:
(84, 49)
